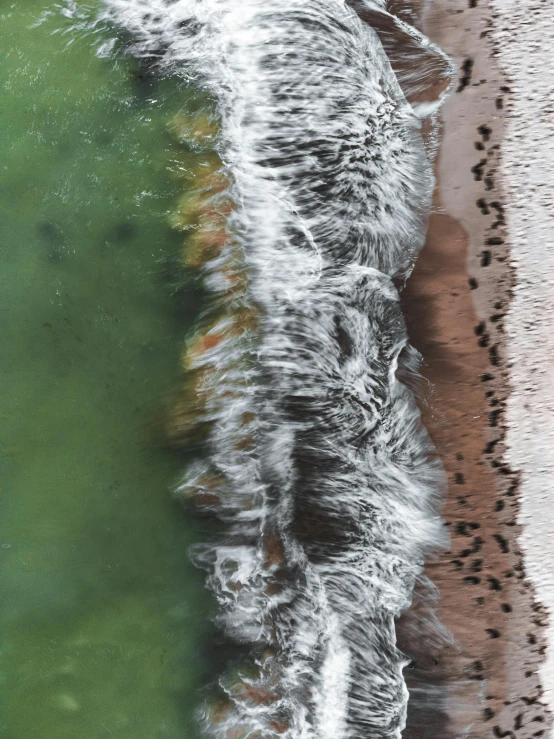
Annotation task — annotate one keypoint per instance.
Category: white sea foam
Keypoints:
(331, 503)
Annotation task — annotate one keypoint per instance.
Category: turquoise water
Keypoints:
(103, 620)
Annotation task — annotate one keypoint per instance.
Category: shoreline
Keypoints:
(455, 303)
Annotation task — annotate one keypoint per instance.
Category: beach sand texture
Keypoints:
(479, 308)
(523, 37)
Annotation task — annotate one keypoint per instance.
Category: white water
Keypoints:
(330, 487)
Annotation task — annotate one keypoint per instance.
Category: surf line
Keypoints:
(308, 213)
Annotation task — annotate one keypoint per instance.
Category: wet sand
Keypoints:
(455, 303)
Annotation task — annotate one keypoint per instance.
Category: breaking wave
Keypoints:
(300, 380)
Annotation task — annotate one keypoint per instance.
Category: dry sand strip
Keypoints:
(523, 38)
(479, 308)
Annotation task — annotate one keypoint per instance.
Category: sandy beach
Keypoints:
(456, 304)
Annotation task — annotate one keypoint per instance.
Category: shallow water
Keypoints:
(103, 619)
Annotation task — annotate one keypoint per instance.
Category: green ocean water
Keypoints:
(104, 622)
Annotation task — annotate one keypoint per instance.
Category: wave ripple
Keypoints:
(317, 458)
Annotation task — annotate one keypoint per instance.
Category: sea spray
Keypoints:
(299, 381)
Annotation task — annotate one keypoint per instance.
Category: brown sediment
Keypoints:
(231, 322)
(199, 129)
(274, 551)
(202, 246)
(487, 683)
(202, 212)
